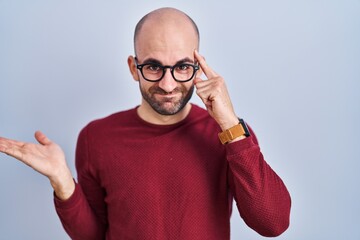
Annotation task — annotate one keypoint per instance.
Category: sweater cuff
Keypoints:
(237, 147)
(72, 201)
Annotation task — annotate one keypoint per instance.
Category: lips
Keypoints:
(169, 95)
(164, 94)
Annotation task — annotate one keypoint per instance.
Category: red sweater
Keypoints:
(138, 180)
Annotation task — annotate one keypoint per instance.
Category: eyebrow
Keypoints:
(155, 61)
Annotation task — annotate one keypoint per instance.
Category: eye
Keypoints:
(183, 67)
(152, 67)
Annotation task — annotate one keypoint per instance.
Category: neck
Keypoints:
(146, 113)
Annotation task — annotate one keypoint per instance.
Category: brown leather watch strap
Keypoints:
(236, 131)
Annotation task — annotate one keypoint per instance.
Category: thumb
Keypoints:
(41, 138)
(197, 80)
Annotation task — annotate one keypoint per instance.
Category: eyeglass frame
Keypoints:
(140, 67)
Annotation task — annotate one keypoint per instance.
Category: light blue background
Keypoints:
(292, 69)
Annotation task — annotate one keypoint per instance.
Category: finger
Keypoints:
(204, 66)
(203, 90)
(202, 85)
(6, 143)
(197, 80)
(2, 145)
(11, 147)
(41, 138)
(205, 84)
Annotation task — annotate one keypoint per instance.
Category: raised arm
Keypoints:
(46, 158)
(261, 196)
(78, 218)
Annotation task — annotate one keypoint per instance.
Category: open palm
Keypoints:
(46, 157)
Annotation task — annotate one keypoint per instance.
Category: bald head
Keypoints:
(162, 19)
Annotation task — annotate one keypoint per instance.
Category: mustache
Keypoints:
(158, 90)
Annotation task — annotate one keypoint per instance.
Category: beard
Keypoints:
(170, 105)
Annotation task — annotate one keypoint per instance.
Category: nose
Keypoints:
(168, 83)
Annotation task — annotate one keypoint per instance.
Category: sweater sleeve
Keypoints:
(83, 215)
(261, 196)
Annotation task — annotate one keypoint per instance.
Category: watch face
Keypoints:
(246, 129)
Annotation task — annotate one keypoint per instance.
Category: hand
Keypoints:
(46, 158)
(214, 94)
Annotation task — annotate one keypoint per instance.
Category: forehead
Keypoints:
(166, 39)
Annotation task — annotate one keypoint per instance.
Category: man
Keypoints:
(160, 170)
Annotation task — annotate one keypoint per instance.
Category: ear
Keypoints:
(132, 67)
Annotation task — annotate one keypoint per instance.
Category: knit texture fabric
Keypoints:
(138, 180)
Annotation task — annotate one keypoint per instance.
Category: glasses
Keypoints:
(154, 72)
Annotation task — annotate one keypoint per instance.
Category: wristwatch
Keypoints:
(236, 131)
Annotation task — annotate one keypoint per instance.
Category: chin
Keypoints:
(168, 110)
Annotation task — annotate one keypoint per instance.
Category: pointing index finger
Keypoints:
(207, 70)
